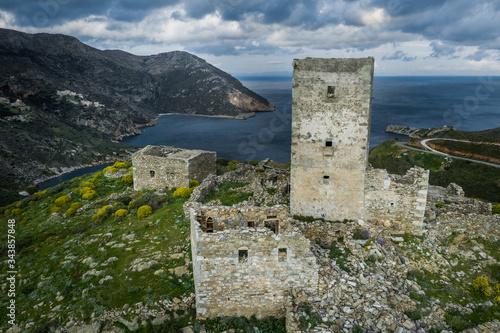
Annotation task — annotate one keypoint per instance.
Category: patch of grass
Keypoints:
(309, 319)
(227, 195)
(242, 324)
(272, 191)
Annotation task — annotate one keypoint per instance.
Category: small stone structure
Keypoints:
(397, 202)
(246, 260)
(156, 167)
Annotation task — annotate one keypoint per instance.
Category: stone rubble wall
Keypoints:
(397, 202)
(229, 286)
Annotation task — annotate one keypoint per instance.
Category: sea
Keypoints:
(469, 103)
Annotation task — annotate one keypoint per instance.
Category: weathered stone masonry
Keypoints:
(397, 202)
(245, 261)
(156, 167)
(330, 132)
(330, 177)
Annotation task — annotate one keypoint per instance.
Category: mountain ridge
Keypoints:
(171, 82)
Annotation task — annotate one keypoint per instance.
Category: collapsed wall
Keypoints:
(397, 202)
(246, 260)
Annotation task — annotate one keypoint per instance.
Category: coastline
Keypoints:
(239, 117)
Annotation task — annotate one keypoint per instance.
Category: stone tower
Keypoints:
(331, 109)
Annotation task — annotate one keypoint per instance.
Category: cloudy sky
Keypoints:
(406, 37)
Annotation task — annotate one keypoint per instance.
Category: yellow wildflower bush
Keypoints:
(182, 192)
(128, 179)
(496, 288)
(110, 168)
(70, 212)
(144, 211)
(482, 285)
(16, 211)
(120, 165)
(55, 209)
(61, 201)
(102, 213)
(89, 195)
(194, 183)
(121, 213)
(87, 184)
(76, 205)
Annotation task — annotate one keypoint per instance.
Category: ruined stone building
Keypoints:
(156, 167)
(246, 260)
(330, 179)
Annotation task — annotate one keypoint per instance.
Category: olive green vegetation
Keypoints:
(490, 135)
(48, 138)
(478, 180)
(55, 251)
(488, 150)
(227, 194)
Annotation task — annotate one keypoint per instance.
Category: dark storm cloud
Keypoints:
(399, 55)
(43, 13)
(454, 23)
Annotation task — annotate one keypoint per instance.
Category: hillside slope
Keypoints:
(136, 87)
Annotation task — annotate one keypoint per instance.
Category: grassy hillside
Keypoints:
(477, 180)
(490, 135)
(39, 141)
(80, 258)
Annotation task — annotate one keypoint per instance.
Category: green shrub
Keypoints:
(254, 163)
(124, 199)
(102, 214)
(70, 212)
(85, 190)
(439, 205)
(61, 201)
(496, 209)
(16, 211)
(144, 211)
(149, 199)
(233, 162)
(260, 170)
(223, 161)
(194, 183)
(121, 213)
(128, 179)
(182, 192)
(89, 195)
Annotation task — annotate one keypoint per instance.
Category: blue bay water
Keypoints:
(466, 103)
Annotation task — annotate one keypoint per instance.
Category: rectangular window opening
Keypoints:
(330, 92)
(242, 256)
(152, 173)
(272, 225)
(328, 143)
(251, 224)
(282, 255)
(326, 177)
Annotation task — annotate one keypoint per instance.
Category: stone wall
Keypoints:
(331, 110)
(397, 202)
(245, 271)
(157, 167)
